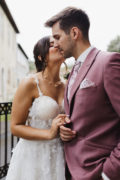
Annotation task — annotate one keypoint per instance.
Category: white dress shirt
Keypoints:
(83, 56)
(105, 177)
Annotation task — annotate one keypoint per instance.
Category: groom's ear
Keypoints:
(75, 33)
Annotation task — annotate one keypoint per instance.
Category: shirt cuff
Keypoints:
(105, 177)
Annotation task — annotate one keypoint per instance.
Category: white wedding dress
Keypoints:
(39, 159)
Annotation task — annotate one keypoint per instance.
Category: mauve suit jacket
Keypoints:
(95, 115)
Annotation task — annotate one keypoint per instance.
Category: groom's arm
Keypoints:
(111, 167)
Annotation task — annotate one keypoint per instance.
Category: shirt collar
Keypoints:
(83, 56)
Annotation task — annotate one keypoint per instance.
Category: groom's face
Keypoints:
(62, 41)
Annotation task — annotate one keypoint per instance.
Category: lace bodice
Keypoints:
(43, 110)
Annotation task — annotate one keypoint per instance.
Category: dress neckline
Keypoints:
(41, 93)
(60, 105)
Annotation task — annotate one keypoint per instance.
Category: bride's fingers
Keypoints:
(64, 117)
(59, 119)
(61, 115)
(60, 124)
(67, 120)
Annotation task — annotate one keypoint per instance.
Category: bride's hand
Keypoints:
(56, 123)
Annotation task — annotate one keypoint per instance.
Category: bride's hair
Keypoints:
(41, 49)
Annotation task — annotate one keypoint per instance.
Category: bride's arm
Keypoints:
(21, 104)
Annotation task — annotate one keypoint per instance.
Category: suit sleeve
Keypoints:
(111, 166)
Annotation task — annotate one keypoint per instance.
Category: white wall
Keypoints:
(22, 65)
(8, 56)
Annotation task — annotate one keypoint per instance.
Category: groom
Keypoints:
(92, 100)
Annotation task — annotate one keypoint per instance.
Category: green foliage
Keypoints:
(32, 66)
(114, 45)
(2, 117)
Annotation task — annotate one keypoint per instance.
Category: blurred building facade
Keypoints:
(9, 54)
(22, 67)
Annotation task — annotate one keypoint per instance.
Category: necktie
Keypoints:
(73, 77)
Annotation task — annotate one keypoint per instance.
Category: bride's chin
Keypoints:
(62, 53)
(62, 56)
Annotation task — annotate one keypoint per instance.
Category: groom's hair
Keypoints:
(70, 17)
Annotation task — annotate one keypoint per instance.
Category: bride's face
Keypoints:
(54, 53)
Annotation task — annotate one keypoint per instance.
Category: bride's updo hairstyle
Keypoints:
(41, 49)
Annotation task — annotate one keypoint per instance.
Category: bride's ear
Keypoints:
(39, 57)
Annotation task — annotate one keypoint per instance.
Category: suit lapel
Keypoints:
(83, 71)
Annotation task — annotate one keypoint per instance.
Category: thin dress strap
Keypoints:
(37, 82)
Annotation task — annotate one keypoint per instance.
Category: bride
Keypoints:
(37, 114)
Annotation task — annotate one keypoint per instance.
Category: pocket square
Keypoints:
(86, 83)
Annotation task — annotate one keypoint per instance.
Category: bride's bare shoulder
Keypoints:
(28, 82)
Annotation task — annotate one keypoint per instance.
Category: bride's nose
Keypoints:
(56, 44)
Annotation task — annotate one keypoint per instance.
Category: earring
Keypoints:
(39, 57)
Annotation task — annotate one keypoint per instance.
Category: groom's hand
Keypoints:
(66, 134)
